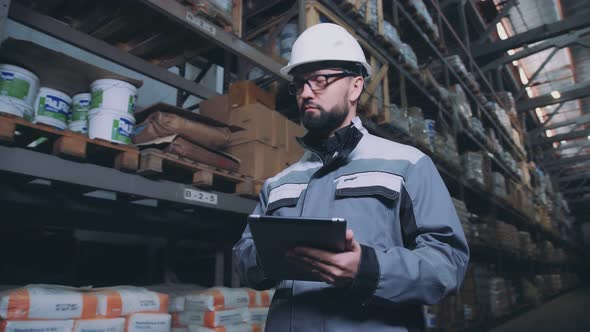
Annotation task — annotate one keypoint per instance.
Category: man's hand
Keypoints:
(334, 268)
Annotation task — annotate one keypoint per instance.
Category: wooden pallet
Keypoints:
(157, 164)
(249, 189)
(67, 144)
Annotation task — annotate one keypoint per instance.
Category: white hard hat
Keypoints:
(325, 42)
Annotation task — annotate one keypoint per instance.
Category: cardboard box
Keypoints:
(294, 130)
(257, 120)
(261, 124)
(216, 108)
(257, 159)
(279, 124)
(247, 92)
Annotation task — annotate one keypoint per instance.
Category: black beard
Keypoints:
(326, 122)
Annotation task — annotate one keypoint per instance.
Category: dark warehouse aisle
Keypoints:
(567, 313)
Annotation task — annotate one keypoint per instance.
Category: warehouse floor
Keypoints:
(567, 313)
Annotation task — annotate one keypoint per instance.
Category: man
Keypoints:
(405, 245)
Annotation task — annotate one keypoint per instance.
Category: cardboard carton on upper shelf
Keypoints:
(216, 107)
(291, 145)
(260, 124)
(247, 92)
(257, 159)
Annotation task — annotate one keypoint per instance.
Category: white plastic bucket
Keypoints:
(115, 95)
(80, 107)
(15, 107)
(52, 107)
(79, 126)
(110, 125)
(18, 83)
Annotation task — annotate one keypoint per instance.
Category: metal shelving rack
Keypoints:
(131, 189)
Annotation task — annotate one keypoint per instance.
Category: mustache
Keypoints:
(308, 104)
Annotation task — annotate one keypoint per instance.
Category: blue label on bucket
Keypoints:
(122, 130)
(84, 103)
(7, 76)
(56, 104)
(125, 127)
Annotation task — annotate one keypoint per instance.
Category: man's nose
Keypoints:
(306, 92)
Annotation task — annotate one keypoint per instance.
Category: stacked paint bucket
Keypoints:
(18, 88)
(111, 110)
(52, 108)
(78, 117)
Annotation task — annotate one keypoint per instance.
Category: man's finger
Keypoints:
(349, 239)
(315, 254)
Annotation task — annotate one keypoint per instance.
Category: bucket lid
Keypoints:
(26, 72)
(82, 95)
(46, 90)
(112, 82)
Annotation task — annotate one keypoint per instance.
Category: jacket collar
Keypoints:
(354, 136)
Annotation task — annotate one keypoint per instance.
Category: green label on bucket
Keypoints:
(131, 106)
(122, 130)
(96, 99)
(53, 107)
(13, 87)
(79, 116)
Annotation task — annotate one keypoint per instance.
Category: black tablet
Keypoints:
(274, 235)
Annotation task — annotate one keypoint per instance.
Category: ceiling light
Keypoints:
(555, 94)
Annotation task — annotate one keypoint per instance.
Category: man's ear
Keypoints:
(356, 88)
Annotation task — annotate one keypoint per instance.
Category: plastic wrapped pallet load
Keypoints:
(215, 318)
(258, 315)
(124, 300)
(148, 322)
(230, 328)
(220, 298)
(398, 119)
(36, 325)
(100, 325)
(47, 302)
(264, 298)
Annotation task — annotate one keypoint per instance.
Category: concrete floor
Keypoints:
(567, 313)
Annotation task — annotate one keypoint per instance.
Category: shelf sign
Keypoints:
(200, 23)
(200, 196)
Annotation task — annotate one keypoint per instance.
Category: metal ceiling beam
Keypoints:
(577, 121)
(577, 144)
(560, 137)
(565, 161)
(580, 90)
(492, 25)
(543, 32)
(557, 42)
(535, 74)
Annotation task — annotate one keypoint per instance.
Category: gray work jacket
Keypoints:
(414, 251)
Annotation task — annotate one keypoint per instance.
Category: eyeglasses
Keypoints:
(315, 82)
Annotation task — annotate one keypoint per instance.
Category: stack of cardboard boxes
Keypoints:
(267, 144)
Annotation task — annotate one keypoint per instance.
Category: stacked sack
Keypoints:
(47, 308)
(473, 164)
(222, 309)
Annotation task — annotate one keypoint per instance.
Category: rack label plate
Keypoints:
(200, 23)
(200, 196)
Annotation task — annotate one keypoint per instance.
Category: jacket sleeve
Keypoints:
(433, 261)
(245, 259)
